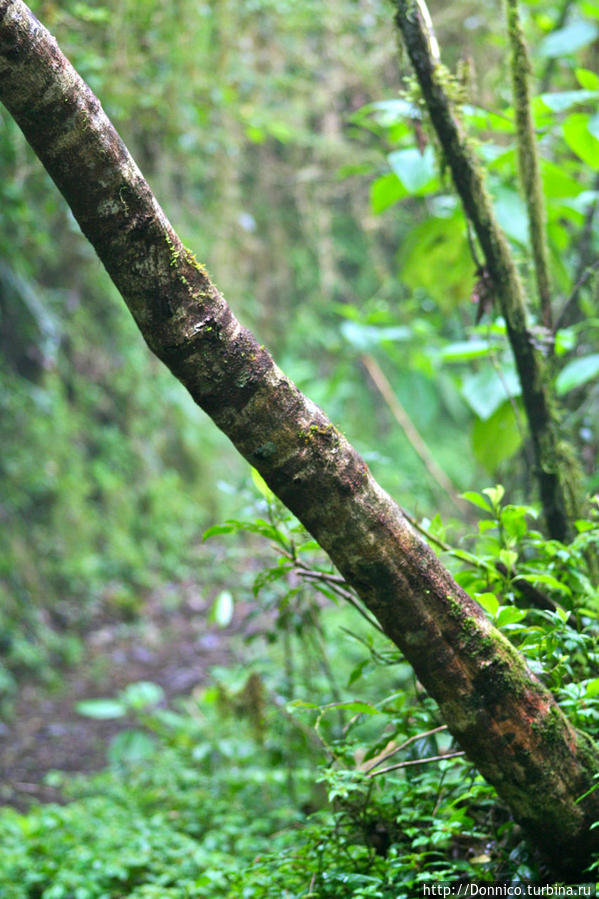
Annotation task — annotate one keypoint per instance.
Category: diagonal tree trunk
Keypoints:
(502, 716)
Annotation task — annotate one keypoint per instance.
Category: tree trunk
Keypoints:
(556, 470)
(506, 721)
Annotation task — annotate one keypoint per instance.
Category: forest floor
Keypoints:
(172, 645)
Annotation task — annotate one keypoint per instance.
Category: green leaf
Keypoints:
(509, 558)
(592, 687)
(559, 101)
(363, 708)
(416, 171)
(358, 671)
(301, 704)
(581, 140)
(142, 694)
(496, 439)
(262, 486)
(511, 213)
(559, 184)
(587, 79)
(565, 340)
(463, 350)
(101, 708)
(488, 601)
(484, 120)
(130, 746)
(477, 500)
(386, 191)
(364, 337)
(435, 256)
(509, 615)
(495, 494)
(577, 372)
(222, 609)
(485, 391)
(391, 112)
(547, 580)
(568, 39)
(216, 529)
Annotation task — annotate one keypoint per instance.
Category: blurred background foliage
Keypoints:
(291, 154)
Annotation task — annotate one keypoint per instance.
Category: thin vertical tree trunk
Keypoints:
(556, 470)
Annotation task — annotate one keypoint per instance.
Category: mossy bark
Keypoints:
(528, 160)
(557, 476)
(502, 716)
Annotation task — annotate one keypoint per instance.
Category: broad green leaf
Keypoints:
(485, 391)
(364, 337)
(386, 191)
(565, 340)
(594, 125)
(358, 671)
(592, 687)
(568, 39)
(484, 120)
(509, 615)
(511, 213)
(416, 171)
(142, 694)
(581, 141)
(488, 601)
(477, 500)
(558, 183)
(547, 580)
(222, 609)
(576, 373)
(130, 746)
(587, 79)
(101, 708)
(394, 111)
(435, 256)
(509, 558)
(363, 708)
(262, 486)
(497, 438)
(559, 101)
(495, 494)
(513, 522)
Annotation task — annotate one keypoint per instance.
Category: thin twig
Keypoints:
(586, 275)
(431, 758)
(396, 749)
(339, 586)
(408, 427)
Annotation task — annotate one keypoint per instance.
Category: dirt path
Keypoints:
(175, 648)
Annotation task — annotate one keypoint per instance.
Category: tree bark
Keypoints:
(506, 721)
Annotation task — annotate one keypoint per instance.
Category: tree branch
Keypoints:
(408, 427)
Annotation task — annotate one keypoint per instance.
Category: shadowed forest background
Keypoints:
(291, 149)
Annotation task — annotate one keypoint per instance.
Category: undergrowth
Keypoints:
(318, 767)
